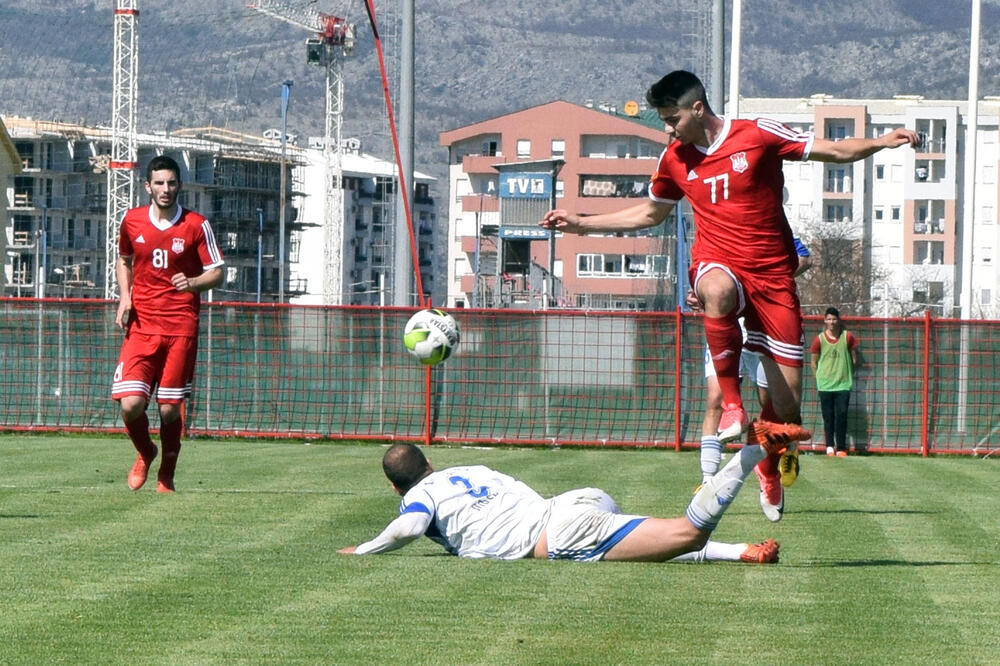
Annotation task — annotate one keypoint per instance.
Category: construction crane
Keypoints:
(333, 42)
(124, 151)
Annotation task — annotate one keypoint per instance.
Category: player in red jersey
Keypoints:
(167, 257)
(743, 257)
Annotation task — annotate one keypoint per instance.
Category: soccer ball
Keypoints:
(431, 335)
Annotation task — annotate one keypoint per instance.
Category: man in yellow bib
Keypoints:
(834, 362)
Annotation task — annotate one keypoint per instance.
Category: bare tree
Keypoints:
(842, 272)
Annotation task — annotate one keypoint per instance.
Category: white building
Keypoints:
(906, 206)
(366, 272)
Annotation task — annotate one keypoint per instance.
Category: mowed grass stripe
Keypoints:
(239, 566)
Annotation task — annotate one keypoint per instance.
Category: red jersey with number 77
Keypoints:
(735, 188)
(160, 249)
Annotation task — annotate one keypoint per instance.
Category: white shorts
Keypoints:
(750, 366)
(584, 524)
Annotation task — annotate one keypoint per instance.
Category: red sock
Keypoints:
(138, 432)
(767, 413)
(723, 335)
(170, 438)
(769, 465)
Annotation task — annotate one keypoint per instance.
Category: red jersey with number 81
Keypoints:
(735, 189)
(159, 250)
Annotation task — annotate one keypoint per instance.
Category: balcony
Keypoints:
(485, 203)
(480, 163)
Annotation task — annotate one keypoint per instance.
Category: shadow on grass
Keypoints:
(21, 515)
(871, 512)
(884, 563)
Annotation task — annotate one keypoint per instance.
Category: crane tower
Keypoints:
(334, 41)
(123, 159)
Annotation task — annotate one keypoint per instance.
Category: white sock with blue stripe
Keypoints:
(710, 455)
(709, 503)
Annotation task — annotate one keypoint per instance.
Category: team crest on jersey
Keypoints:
(178, 246)
(740, 163)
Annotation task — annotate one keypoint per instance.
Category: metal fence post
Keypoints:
(925, 397)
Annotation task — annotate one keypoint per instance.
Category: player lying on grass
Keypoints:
(477, 512)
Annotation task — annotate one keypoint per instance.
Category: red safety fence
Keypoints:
(595, 378)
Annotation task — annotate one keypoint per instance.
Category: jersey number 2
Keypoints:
(482, 491)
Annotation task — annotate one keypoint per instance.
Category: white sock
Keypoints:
(714, 551)
(710, 454)
(709, 503)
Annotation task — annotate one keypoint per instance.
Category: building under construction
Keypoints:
(55, 242)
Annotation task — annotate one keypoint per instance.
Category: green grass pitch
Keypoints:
(885, 560)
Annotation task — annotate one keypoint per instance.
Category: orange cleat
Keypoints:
(137, 475)
(841, 454)
(164, 486)
(765, 552)
(776, 437)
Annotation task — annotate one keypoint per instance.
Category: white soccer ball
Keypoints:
(431, 336)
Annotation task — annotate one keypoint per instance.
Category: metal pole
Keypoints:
(403, 281)
(734, 59)
(260, 246)
(971, 130)
(475, 258)
(550, 287)
(968, 216)
(41, 270)
(717, 96)
(285, 90)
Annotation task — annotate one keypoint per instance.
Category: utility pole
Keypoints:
(402, 292)
(285, 89)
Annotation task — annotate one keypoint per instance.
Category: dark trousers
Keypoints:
(834, 405)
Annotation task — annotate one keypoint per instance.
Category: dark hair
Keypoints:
(404, 465)
(162, 163)
(678, 88)
(833, 311)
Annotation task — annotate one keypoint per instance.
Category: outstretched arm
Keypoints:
(406, 528)
(852, 150)
(646, 214)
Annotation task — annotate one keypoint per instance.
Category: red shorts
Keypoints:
(163, 361)
(771, 311)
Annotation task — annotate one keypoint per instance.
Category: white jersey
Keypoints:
(472, 511)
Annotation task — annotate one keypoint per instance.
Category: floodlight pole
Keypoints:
(285, 90)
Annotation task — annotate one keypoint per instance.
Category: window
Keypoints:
(560, 189)
(896, 173)
(894, 213)
(622, 265)
(985, 297)
(989, 175)
(836, 131)
(462, 267)
(558, 148)
(879, 172)
(879, 213)
(805, 211)
(986, 254)
(523, 148)
(987, 215)
(614, 186)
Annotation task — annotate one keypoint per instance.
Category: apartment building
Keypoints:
(904, 207)
(57, 236)
(10, 165)
(604, 159)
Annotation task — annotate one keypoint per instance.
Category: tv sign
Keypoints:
(525, 185)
